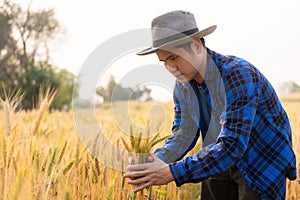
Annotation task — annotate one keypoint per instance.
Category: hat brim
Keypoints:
(180, 41)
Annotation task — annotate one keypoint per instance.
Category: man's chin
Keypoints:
(182, 80)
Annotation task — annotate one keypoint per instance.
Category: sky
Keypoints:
(266, 33)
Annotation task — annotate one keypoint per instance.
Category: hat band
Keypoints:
(171, 38)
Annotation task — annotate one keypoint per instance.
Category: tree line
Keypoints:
(116, 92)
(289, 87)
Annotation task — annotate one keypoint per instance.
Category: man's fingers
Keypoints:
(150, 159)
(142, 187)
(139, 180)
(134, 174)
(138, 167)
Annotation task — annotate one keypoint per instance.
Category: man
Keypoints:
(247, 145)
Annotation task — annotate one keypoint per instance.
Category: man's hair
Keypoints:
(187, 46)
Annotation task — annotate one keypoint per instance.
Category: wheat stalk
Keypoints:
(141, 146)
(62, 152)
(51, 162)
(68, 167)
(14, 194)
(46, 97)
(10, 104)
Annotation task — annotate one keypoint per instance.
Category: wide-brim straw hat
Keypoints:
(173, 29)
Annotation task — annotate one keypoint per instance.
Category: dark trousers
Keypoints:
(229, 185)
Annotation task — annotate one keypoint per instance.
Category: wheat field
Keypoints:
(42, 156)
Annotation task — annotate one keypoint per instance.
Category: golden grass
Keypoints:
(293, 110)
(290, 97)
(53, 163)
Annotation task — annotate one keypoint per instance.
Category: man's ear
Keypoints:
(198, 45)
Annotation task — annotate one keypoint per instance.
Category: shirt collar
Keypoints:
(211, 69)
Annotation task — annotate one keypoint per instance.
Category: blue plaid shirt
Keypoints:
(242, 123)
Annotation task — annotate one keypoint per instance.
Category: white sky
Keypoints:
(264, 32)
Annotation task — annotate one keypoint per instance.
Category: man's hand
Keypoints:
(154, 173)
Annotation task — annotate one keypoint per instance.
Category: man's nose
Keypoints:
(171, 67)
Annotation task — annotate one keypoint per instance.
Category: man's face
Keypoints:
(181, 63)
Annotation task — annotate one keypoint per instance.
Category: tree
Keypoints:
(65, 90)
(32, 31)
(8, 71)
(24, 35)
(24, 54)
(36, 75)
(42, 74)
